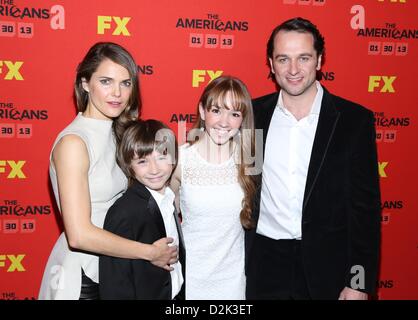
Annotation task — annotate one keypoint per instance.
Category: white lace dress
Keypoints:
(210, 202)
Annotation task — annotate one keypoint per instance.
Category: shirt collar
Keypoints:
(168, 196)
(316, 105)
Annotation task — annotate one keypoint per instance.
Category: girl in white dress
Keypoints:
(87, 180)
(215, 190)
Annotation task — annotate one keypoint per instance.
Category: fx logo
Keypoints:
(382, 167)
(200, 76)
(14, 260)
(105, 22)
(12, 69)
(16, 168)
(376, 82)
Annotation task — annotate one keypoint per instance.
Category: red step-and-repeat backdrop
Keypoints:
(179, 47)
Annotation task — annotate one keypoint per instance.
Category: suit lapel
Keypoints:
(156, 215)
(152, 206)
(328, 118)
(264, 118)
(178, 225)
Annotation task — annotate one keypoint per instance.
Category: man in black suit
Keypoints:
(318, 204)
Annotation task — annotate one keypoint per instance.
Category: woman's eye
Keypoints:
(104, 81)
(127, 83)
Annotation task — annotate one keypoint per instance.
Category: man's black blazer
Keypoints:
(136, 216)
(341, 206)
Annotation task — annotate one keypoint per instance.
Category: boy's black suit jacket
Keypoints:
(136, 216)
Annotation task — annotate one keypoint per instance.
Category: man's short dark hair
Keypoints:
(299, 25)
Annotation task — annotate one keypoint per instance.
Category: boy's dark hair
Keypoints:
(140, 139)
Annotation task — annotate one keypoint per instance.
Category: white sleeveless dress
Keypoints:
(62, 275)
(210, 203)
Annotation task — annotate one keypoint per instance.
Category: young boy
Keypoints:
(145, 213)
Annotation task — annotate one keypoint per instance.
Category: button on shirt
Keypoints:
(286, 161)
(165, 203)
